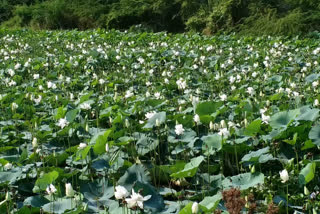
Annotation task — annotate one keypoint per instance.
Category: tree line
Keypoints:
(249, 17)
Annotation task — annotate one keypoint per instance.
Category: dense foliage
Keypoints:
(88, 117)
(256, 17)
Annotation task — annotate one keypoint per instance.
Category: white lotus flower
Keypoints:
(182, 84)
(250, 91)
(128, 94)
(265, 118)
(36, 76)
(315, 83)
(316, 102)
(51, 189)
(137, 200)
(179, 129)
(82, 146)
(224, 132)
(11, 72)
(62, 123)
(17, 66)
(284, 176)
(12, 83)
(49, 84)
(101, 81)
(157, 95)
(85, 106)
(120, 193)
(195, 208)
(7, 166)
(223, 97)
(69, 190)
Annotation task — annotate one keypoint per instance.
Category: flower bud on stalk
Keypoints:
(34, 143)
(195, 207)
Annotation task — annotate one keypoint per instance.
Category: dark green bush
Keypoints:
(255, 17)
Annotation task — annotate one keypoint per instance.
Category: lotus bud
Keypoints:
(195, 207)
(107, 147)
(314, 211)
(35, 125)
(85, 207)
(216, 126)
(316, 102)
(291, 161)
(191, 98)
(115, 96)
(261, 94)
(284, 176)
(306, 191)
(196, 119)
(211, 125)
(247, 204)
(127, 124)
(253, 169)
(268, 103)
(8, 196)
(69, 190)
(34, 142)
(245, 122)
(223, 124)
(87, 127)
(110, 120)
(14, 106)
(157, 122)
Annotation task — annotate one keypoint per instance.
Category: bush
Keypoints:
(255, 17)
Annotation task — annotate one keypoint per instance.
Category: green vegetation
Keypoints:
(97, 121)
(254, 17)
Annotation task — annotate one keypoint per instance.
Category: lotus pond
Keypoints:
(120, 122)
